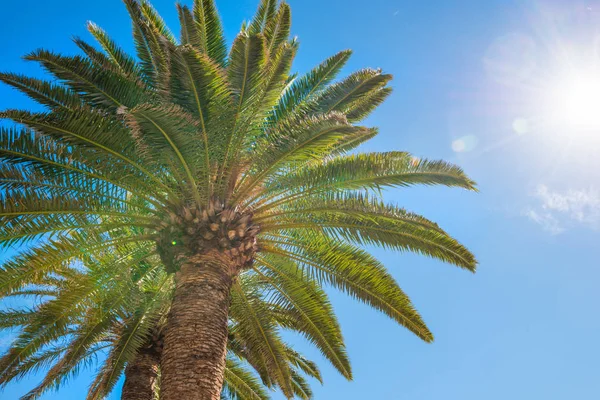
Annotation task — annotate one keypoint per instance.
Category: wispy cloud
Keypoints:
(557, 211)
(545, 219)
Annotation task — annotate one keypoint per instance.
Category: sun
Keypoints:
(575, 100)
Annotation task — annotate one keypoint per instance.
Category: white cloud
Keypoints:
(556, 211)
(546, 220)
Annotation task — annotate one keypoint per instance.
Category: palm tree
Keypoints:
(85, 310)
(225, 163)
(121, 311)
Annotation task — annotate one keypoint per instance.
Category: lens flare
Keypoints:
(464, 144)
(521, 126)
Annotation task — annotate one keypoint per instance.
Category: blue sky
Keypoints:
(476, 83)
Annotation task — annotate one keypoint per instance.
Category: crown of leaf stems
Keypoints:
(193, 151)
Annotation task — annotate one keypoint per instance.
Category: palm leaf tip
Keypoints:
(447, 174)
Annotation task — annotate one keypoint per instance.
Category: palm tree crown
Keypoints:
(223, 164)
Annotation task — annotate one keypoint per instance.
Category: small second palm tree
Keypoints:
(101, 308)
(225, 163)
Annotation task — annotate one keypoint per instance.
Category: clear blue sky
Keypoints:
(473, 85)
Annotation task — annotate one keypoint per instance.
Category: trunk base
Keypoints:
(193, 359)
(141, 377)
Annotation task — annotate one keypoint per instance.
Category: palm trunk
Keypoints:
(141, 376)
(193, 358)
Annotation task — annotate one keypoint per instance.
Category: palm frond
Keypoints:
(155, 20)
(366, 171)
(46, 93)
(189, 31)
(304, 88)
(15, 318)
(245, 69)
(301, 387)
(125, 62)
(167, 132)
(354, 272)
(132, 337)
(148, 43)
(277, 29)
(241, 384)
(38, 154)
(99, 87)
(254, 325)
(199, 86)
(211, 36)
(308, 307)
(301, 140)
(362, 220)
(340, 96)
(303, 364)
(264, 15)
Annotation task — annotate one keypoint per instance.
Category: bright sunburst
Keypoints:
(574, 100)
(551, 77)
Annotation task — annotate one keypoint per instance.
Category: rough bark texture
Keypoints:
(193, 359)
(140, 377)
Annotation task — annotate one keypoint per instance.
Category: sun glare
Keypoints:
(576, 101)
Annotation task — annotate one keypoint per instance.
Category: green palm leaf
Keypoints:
(264, 15)
(311, 311)
(100, 87)
(304, 88)
(354, 272)
(241, 384)
(46, 93)
(253, 323)
(211, 37)
(125, 62)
